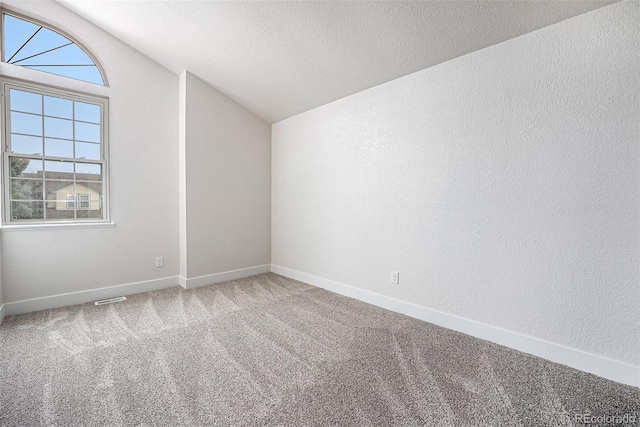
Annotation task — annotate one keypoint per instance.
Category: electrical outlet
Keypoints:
(159, 262)
(395, 278)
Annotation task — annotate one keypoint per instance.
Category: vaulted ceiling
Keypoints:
(278, 59)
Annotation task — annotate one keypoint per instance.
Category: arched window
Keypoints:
(54, 139)
(35, 46)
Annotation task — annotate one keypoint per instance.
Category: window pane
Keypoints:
(20, 167)
(26, 123)
(25, 101)
(70, 54)
(57, 190)
(26, 144)
(58, 170)
(94, 188)
(58, 147)
(88, 172)
(58, 206)
(87, 132)
(44, 40)
(58, 107)
(85, 150)
(27, 210)
(59, 210)
(93, 212)
(89, 196)
(26, 189)
(16, 32)
(87, 112)
(58, 128)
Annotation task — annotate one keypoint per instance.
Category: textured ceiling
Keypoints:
(279, 59)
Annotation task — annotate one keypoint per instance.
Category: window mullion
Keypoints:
(44, 169)
(55, 158)
(73, 136)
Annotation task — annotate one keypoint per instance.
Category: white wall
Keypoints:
(502, 185)
(226, 219)
(143, 100)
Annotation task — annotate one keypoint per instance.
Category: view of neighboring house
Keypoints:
(64, 197)
(83, 197)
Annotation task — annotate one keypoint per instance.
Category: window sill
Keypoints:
(56, 226)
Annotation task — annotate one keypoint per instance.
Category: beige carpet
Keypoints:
(267, 350)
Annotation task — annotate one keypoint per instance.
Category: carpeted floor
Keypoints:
(267, 350)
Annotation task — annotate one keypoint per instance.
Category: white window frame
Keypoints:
(7, 83)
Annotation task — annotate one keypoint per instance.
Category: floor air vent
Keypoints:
(110, 300)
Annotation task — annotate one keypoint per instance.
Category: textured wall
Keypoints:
(227, 156)
(144, 179)
(502, 185)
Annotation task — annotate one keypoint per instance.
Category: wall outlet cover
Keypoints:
(395, 278)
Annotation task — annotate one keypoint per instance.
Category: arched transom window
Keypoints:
(32, 45)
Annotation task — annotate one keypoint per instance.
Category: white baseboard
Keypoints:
(81, 297)
(587, 362)
(210, 279)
